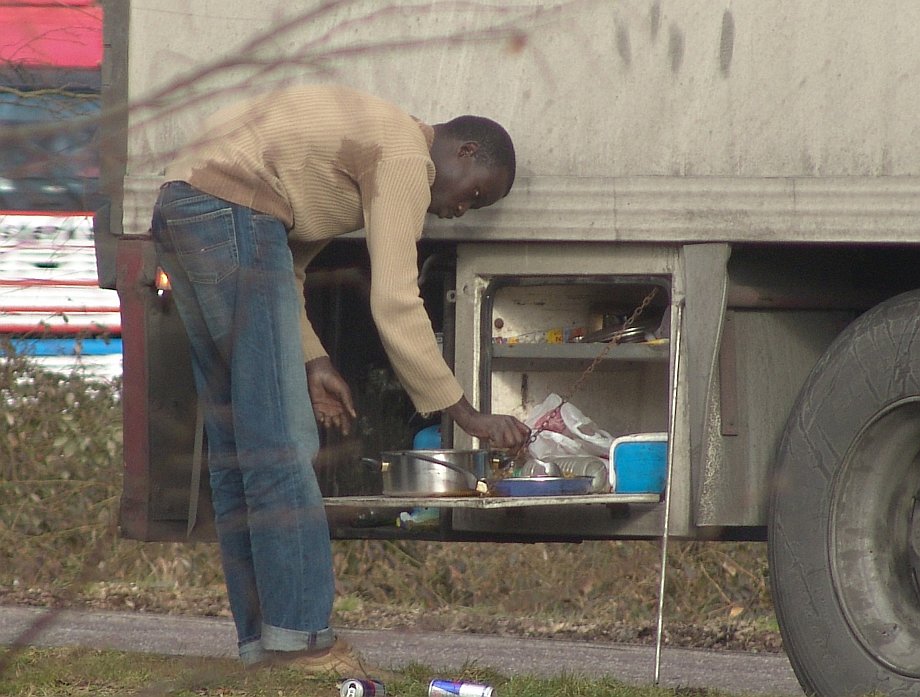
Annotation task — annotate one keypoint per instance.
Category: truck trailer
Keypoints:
(742, 179)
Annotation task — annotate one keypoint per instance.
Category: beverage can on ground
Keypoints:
(356, 687)
(450, 688)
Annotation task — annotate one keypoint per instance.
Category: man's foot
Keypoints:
(338, 660)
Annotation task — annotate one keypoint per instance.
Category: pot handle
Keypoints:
(375, 465)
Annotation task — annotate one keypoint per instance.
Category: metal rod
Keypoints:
(678, 318)
(198, 456)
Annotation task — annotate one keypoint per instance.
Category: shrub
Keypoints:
(60, 482)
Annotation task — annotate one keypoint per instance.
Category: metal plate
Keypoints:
(541, 486)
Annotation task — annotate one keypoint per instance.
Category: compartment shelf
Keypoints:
(487, 502)
(568, 356)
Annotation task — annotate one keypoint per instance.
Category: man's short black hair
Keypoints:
(495, 146)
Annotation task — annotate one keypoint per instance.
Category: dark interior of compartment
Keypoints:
(337, 301)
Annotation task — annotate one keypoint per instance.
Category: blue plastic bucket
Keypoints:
(640, 463)
(427, 439)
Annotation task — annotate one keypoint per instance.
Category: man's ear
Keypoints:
(468, 149)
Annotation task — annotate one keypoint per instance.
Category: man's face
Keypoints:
(462, 183)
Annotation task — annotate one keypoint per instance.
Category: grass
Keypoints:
(73, 672)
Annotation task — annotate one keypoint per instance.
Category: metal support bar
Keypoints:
(197, 458)
(675, 347)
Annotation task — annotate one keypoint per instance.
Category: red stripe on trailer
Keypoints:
(57, 309)
(26, 282)
(58, 329)
(47, 213)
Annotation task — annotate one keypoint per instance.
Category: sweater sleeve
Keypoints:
(395, 196)
(304, 253)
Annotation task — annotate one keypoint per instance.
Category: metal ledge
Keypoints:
(654, 209)
(696, 209)
(488, 502)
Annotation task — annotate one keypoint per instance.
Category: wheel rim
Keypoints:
(872, 527)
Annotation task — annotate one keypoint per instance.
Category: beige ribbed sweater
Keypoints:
(327, 160)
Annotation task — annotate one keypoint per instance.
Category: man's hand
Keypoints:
(500, 430)
(332, 403)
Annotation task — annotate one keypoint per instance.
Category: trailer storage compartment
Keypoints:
(589, 325)
(540, 334)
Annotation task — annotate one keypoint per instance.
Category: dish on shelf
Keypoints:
(541, 486)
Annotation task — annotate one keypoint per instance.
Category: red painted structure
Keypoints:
(58, 33)
(51, 64)
(51, 55)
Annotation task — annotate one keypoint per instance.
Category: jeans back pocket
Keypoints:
(206, 245)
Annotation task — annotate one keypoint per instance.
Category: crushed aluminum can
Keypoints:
(355, 687)
(450, 688)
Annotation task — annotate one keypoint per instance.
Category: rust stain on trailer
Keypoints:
(676, 47)
(727, 43)
(654, 20)
(623, 44)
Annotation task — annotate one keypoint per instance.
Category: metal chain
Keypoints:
(577, 385)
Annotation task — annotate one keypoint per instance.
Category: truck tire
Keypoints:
(844, 523)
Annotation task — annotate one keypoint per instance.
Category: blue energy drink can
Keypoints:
(449, 688)
(355, 687)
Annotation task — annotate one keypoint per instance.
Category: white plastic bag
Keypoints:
(566, 431)
(593, 440)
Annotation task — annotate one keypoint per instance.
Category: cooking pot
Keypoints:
(432, 472)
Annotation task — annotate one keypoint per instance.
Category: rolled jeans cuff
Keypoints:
(280, 639)
(252, 653)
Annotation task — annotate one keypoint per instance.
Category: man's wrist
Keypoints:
(462, 412)
(318, 362)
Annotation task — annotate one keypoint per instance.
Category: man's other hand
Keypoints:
(330, 395)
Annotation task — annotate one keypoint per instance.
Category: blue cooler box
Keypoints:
(639, 463)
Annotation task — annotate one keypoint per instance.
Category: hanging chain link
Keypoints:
(579, 383)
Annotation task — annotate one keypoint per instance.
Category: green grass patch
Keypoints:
(80, 672)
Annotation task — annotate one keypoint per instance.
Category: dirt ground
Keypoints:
(737, 635)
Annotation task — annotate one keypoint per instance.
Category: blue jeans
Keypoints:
(232, 279)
